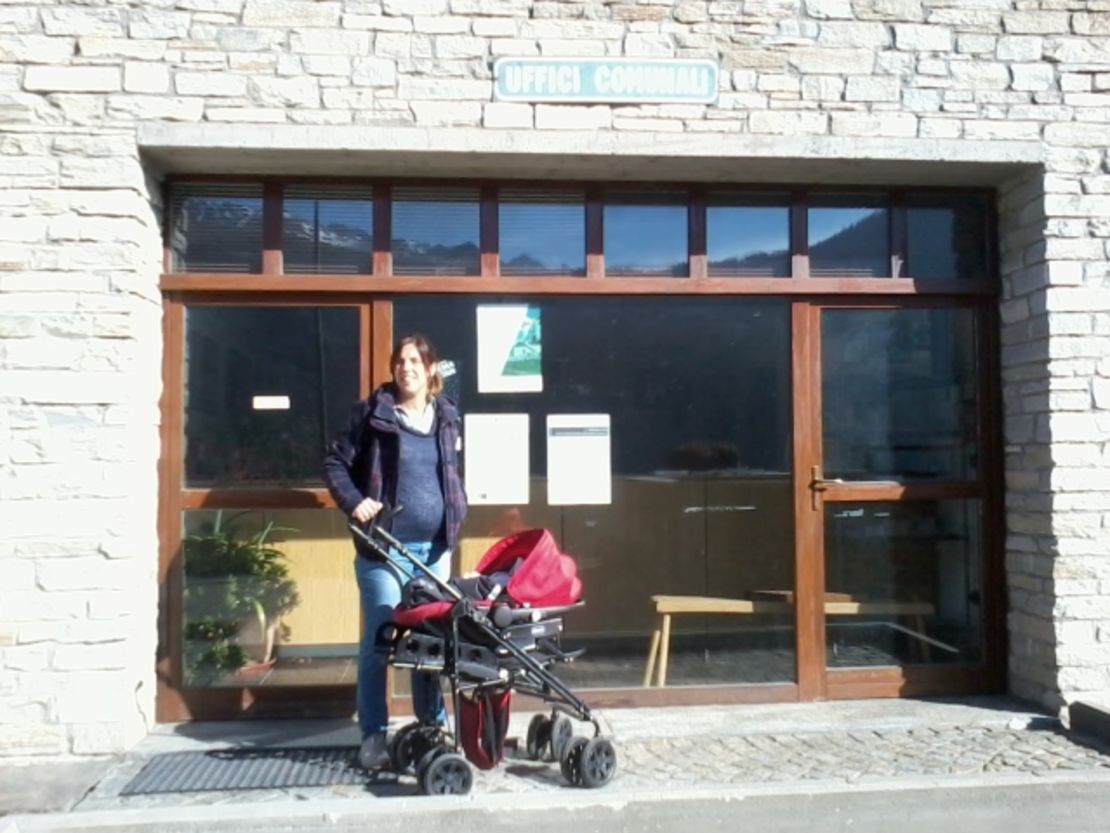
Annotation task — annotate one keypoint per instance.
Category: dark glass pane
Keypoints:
(646, 234)
(698, 395)
(748, 237)
(848, 237)
(904, 585)
(899, 394)
(542, 232)
(947, 238)
(266, 391)
(436, 231)
(269, 599)
(328, 231)
(216, 228)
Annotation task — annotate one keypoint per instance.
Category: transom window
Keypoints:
(547, 230)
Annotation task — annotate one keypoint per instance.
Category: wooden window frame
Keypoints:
(372, 294)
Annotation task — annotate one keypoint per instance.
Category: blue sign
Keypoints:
(606, 80)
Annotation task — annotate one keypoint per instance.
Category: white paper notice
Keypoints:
(578, 460)
(509, 349)
(497, 464)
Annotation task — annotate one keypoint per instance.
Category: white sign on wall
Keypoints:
(579, 471)
(496, 459)
(606, 80)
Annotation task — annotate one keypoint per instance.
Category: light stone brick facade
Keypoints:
(97, 98)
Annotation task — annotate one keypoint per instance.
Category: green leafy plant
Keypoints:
(235, 581)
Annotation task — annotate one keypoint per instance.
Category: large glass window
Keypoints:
(436, 231)
(266, 391)
(328, 230)
(903, 582)
(216, 228)
(849, 237)
(542, 232)
(748, 236)
(698, 395)
(646, 233)
(899, 394)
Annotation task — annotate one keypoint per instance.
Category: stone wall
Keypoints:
(79, 259)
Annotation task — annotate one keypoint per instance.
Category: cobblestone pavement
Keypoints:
(714, 761)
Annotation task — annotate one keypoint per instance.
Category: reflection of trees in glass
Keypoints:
(770, 264)
(747, 237)
(861, 249)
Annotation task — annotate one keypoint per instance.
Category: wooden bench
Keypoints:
(765, 601)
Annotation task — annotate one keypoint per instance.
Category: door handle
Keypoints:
(818, 483)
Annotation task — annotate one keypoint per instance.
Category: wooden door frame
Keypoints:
(815, 680)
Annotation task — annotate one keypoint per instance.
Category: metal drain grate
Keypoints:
(247, 769)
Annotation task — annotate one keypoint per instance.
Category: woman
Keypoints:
(401, 447)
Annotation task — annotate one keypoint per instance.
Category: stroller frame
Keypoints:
(439, 766)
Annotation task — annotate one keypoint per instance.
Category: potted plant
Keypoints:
(237, 588)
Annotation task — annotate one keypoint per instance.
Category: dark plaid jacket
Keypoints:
(363, 461)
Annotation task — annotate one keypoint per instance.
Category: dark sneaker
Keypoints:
(374, 753)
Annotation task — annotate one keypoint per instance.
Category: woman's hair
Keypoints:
(427, 355)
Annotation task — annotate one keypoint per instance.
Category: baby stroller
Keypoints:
(489, 639)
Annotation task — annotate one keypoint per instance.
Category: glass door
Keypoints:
(895, 503)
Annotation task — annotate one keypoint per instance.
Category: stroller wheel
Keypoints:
(570, 764)
(402, 751)
(561, 733)
(539, 732)
(425, 761)
(598, 763)
(447, 774)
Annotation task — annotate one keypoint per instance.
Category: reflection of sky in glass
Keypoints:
(353, 214)
(331, 235)
(828, 222)
(442, 223)
(645, 238)
(735, 233)
(849, 241)
(548, 238)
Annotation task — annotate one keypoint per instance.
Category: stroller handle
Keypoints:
(385, 545)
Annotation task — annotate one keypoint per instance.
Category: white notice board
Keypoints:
(496, 456)
(579, 471)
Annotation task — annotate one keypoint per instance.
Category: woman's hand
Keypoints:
(366, 510)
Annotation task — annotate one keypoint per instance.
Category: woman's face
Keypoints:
(410, 374)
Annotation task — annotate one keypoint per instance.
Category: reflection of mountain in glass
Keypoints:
(674, 270)
(774, 264)
(220, 235)
(860, 250)
(524, 264)
(339, 247)
(418, 258)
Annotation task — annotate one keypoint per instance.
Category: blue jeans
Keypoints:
(380, 587)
